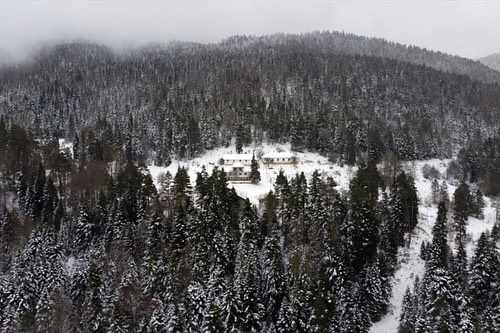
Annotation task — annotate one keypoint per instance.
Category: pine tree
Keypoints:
(196, 306)
(408, 316)
(442, 298)
(179, 233)
(273, 278)
(158, 320)
(84, 230)
(438, 251)
(182, 187)
(403, 207)
(36, 193)
(37, 272)
(360, 236)
(50, 202)
(297, 133)
(374, 295)
(212, 321)
(154, 252)
(243, 137)
(463, 207)
(77, 154)
(352, 313)
(92, 317)
(483, 272)
(285, 323)
(281, 186)
(443, 193)
(459, 265)
(435, 189)
(247, 304)
(438, 300)
(478, 204)
(254, 171)
(300, 296)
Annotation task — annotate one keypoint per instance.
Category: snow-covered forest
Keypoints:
(124, 228)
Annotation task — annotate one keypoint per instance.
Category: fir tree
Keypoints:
(36, 193)
(273, 278)
(93, 318)
(463, 207)
(438, 250)
(478, 204)
(247, 304)
(254, 171)
(374, 295)
(483, 272)
(435, 191)
(408, 316)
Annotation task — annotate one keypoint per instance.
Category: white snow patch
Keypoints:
(70, 265)
(66, 147)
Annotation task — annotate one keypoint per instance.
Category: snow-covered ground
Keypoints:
(66, 147)
(410, 263)
(307, 163)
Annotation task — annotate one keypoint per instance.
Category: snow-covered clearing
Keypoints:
(410, 263)
(307, 163)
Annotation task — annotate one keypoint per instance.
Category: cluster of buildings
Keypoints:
(238, 165)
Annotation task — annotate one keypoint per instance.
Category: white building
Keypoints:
(279, 158)
(231, 159)
(239, 172)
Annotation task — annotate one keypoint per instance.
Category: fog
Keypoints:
(465, 28)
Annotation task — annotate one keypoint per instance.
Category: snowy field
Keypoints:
(410, 263)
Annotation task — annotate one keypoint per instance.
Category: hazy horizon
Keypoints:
(464, 28)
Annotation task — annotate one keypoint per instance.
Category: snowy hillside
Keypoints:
(492, 61)
(410, 263)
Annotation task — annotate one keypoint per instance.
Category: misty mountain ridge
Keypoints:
(351, 44)
(492, 61)
(339, 43)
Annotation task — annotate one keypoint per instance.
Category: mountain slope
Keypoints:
(350, 44)
(492, 61)
(325, 92)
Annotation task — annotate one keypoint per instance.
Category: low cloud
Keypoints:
(464, 28)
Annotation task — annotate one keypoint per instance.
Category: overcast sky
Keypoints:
(466, 28)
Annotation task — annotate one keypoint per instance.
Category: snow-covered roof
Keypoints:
(237, 165)
(237, 157)
(279, 155)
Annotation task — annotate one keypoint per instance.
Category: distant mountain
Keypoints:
(349, 44)
(492, 61)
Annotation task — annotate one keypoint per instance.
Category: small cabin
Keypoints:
(239, 172)
(279, 158)
(231, 159)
